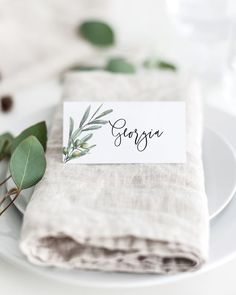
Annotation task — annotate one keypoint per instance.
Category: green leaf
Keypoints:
(92, 128)
(97, 110)
(39, 130)
(75, 134)
(5, 145)
(28, 163)
(65, 151)
(92, 146)
(85, 116)
(83, 153)
(97, 32)
(71, 126)
(86, 138)
(104, 114)
(102, 122)
(159, 64)
(120, 65)
(81, 68)
(166, 65)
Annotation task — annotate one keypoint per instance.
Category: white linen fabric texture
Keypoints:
(38, 39)
(144, 218)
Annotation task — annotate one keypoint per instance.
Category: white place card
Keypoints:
(124, 132)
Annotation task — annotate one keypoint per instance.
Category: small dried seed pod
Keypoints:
(6, 103)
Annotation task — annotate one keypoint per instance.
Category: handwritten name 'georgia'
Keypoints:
(119, 131)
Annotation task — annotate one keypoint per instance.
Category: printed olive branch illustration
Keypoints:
(77, 145)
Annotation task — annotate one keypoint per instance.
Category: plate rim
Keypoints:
(232, 194)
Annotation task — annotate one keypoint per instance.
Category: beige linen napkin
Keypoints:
(135, 217)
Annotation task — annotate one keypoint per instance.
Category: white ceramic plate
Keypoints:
(220, 171)
(219, 165)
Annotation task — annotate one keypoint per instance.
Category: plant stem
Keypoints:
(8, 194)
(4, 181)
(12, 201)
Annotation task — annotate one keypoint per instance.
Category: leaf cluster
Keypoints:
(27, 162)
(78, 139)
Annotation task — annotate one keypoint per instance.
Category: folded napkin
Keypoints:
(128, 217)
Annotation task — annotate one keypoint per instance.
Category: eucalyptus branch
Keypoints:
(24, 152)
(77, 146)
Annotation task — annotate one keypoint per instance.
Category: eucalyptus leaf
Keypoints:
(28, 163)
(75, 134)
(92, 128)
(39, 130)
(97, 32)
(97, 110)
(78, 68)
(65, 150)
(102, 122)
(92, 146)
(104, 113)
(81, 68)
(83, 153)
(71, 126)
(5, 145)
(159, 64)
(166, 65)
(85, 116)
(120, 65)
(86, 138)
